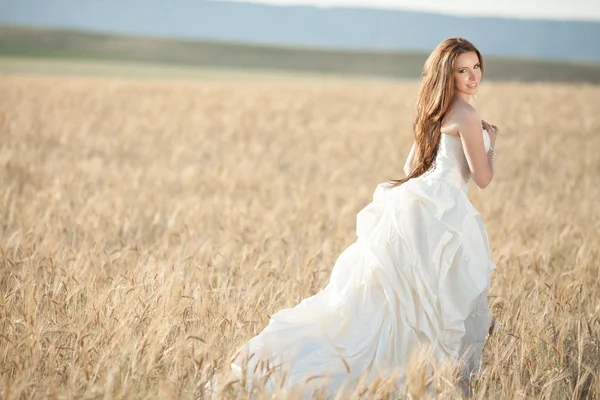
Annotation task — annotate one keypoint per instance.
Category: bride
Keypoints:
(419, 272)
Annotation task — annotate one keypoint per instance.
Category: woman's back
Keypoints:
(451, 163)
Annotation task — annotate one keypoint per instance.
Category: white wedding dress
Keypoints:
(418, 275)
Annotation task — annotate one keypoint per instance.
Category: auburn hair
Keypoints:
(433, 102)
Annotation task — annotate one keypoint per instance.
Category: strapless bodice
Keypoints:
(451, 164)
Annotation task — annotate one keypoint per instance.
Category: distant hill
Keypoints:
(29, 42)
(331, 28)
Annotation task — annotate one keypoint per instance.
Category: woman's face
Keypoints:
(467, 73)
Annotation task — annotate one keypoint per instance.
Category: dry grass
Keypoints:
(148, 229)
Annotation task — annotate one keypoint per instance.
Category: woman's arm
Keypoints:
(479, 160)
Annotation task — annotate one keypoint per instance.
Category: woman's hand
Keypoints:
(491, 129)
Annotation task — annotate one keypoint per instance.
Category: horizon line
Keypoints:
(376, 7)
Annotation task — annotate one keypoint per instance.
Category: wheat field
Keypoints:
(149, 228)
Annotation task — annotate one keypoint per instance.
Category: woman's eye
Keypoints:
(477, 66)
(461, 71)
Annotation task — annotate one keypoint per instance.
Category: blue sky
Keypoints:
(538, 9)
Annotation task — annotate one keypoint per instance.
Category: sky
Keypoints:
(588, 10)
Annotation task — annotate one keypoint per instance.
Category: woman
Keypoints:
(418, 274)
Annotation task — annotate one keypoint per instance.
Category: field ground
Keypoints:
(149, 228)
(146, 70)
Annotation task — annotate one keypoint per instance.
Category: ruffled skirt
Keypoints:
(416, 277)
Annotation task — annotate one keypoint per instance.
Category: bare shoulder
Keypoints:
(461, 117)
(466, 118)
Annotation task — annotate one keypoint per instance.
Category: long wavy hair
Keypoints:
(433, 102)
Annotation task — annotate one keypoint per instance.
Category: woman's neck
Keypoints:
(467, 98)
